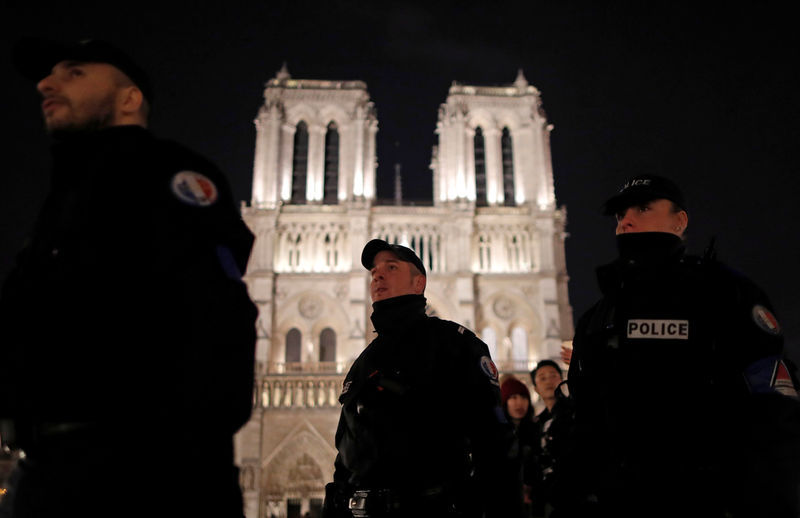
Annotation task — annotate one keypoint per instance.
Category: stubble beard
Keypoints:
(97, 114)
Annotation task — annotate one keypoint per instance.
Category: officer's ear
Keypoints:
(419, 282)
(683, 217)
(130, 101)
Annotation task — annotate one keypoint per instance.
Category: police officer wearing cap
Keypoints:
(422, 432)
(126, 333)
(685, 405)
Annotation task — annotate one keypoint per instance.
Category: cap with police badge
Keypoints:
(403, 253)
(642, 189)
(34, 58)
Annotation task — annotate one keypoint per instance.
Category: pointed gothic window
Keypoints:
(327, 345)
(480, 168)
(508, 167)
(293, 349)
(331, 164)
(300, 163)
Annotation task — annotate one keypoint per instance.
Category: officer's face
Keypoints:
(517, 406)
(546, 381)
(80, 96)
(392, 277)
(652, 216)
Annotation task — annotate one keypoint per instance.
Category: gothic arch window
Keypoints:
(508, 166)
(331, 187)
(300, 163)
(484, 252)
(480, 168)
(331, 250)
(294, 246)
(293, 345)
(327, 345)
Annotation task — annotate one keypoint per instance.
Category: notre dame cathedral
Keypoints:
(492, 240)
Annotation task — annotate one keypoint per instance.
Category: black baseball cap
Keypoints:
(403, 253)
(641, 189)
(34, 58)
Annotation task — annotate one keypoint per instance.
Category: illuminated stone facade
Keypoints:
(492, 240)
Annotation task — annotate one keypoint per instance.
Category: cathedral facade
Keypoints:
(492, 241)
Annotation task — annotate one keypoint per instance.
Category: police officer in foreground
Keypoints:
(685, 405)
(421, 433)
(126, 333)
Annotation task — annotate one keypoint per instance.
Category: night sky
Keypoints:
(706, 96)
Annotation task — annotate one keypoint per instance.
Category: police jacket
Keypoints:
(421, 411)
(127, 303)
(668, 364)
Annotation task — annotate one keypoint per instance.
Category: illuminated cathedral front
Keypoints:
(492, 240)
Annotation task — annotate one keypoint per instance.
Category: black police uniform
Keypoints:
(127, 335)
(421, 431)
(674, 375)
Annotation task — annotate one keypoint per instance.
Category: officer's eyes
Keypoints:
(644, 208)
(75, 72)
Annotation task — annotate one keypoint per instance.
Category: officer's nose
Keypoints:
(46, 85)
(625, 221)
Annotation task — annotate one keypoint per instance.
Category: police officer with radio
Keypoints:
(685, 405)
(421, 432)
(127, 336)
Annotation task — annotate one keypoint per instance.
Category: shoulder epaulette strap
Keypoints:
(459, 328)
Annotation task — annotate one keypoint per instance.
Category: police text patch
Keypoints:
(666, 329)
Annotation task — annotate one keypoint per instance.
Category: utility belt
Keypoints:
(378, 503)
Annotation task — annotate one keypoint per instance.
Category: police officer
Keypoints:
(126, 333)
(685, 405)
(421, 433)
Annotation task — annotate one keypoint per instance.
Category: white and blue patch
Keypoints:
(765, 320)
(488, 367)
(194, 189)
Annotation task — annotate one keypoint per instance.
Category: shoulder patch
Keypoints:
(488, 367)
(194, 189)
(765, 320)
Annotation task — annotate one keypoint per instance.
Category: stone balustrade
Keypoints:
(301, 390)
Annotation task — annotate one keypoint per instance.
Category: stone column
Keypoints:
(287, 154)
(316, 163)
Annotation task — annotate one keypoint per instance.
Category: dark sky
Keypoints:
(706, 96)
